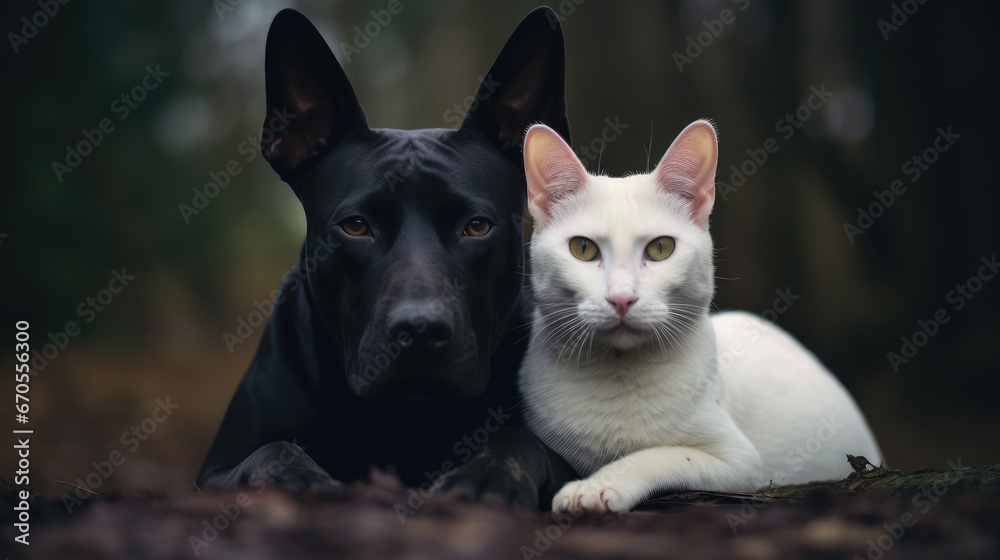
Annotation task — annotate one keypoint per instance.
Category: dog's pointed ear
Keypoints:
(310, 102)
(525, 86)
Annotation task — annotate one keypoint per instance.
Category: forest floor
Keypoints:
(875, 513)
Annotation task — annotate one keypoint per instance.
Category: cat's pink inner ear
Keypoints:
(552, 170)
(688, 169)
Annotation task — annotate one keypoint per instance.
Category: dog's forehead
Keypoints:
(388, 160)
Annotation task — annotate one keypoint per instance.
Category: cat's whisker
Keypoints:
(562, 331)
(543, 309)
(549, 334)
(649, 149)
(576, 344)
(520, 340)
(560, 302)
(682, 312)
(659, 338)
(656, 337)
(672, 333)
(683, 326)
(587, 334)
(563, 347)
(554, 310)
(549, 330)
(556, 305)
(552, 314)
(664, 335)
(689, 315)
(551, 326)
(535, 321)
(599, 156)
(682, 305)
(682, 322)
(577, 341)
(554, 320)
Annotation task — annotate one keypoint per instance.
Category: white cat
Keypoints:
(627, 375)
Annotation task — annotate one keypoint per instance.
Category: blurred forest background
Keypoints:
(782, 230)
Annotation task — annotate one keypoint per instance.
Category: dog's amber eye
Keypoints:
(355, 226)
(583, 248)
(477, 227)
(660, 248)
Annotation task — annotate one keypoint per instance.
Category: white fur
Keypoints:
(666, 397)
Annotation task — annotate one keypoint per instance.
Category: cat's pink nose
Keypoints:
(621, 303)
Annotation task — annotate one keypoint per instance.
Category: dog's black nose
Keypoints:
(421, 325)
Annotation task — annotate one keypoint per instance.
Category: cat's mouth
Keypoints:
(622, 334)
(623, 331)
(621, 325)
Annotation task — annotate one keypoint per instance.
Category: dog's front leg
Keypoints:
(282, 464)
(514, 468)
(252, 447)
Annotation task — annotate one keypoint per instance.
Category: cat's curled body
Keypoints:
(628, 376)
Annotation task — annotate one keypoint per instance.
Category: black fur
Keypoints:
(396, 348)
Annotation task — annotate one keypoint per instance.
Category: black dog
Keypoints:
(393, 340)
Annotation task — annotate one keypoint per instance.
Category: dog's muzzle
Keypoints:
(421, 347)
(421, 327)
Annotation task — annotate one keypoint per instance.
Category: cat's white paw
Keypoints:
(591, 496)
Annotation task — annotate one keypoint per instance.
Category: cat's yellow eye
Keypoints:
(477, 227)
(660, 248)
(355, 226)
(583, 248)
